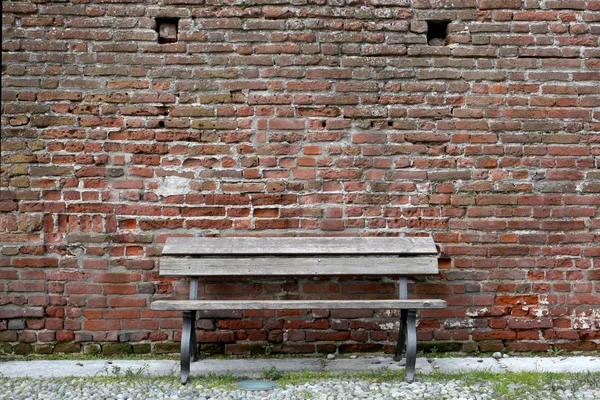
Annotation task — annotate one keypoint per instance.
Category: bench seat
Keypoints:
(210, 305)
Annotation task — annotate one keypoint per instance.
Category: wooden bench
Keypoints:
(299, 256)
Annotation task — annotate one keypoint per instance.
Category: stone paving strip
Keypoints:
(157, 379)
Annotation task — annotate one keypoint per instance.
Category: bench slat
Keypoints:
(299, 245)
(286, 266)
(216, 305)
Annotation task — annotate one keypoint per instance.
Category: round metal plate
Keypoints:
(258, 384)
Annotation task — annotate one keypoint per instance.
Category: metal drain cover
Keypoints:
(255, 384)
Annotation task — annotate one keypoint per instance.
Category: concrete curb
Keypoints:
(519, 364)
(255, 367)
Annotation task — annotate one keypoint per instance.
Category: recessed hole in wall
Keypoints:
(167, 30)
(161, 124)
(390, 123)
(437, 32)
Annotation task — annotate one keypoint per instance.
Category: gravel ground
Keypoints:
(322, 389)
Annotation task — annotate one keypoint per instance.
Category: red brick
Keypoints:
(240, 324)
(528, 300)
(494, 335)
(320, 287)
(499, 4)
(301, 324)
(127, 302)
(101, 325)
(26, 286)
(583, 299)
(35, 262)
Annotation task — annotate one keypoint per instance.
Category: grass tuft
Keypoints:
(299, 378)
(522, 385)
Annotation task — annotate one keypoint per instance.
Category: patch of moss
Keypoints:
(67, 347)
(92, 349)
(116, 348)
(43, 348)
(162, 348)
(23, 349)
(6, 349)
(144, 348)
(439, 347)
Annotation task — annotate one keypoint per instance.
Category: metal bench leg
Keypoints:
(401, 336)
(411, 345)
(193, 342)
(187, 331)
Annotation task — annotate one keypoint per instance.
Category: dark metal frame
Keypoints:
(189, 346)
(407, 333)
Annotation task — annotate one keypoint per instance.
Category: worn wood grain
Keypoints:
(284, 266)
(299, 245)
(214, 305)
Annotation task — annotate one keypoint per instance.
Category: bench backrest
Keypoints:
(265, 256)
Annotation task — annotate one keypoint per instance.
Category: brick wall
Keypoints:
(300, 117)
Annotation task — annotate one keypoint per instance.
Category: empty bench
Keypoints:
(299, 256)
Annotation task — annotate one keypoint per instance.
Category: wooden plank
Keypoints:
(299, 246)
(214, 305)
(305, 266)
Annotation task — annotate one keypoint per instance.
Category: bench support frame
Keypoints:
(407, 333)
(189, 346)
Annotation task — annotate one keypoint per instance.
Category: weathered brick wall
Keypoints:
(300, 117)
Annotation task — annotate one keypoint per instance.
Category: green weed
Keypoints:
(129, 373)
(215, 381)
(555, 352)
(268, 350)
(381, 375)
(305, 394)
(272, 374)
